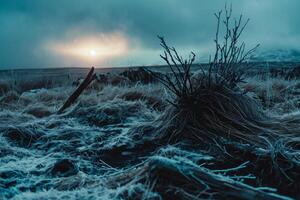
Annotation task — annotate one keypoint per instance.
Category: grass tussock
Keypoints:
(212, 111)
(210, 102)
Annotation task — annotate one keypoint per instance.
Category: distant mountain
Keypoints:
(278, 55)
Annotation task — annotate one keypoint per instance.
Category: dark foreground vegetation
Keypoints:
(216, 132)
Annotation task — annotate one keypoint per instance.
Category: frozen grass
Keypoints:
(127, 142)
(210, 134)
(277, 95)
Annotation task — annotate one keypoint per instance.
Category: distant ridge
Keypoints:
(278, 55)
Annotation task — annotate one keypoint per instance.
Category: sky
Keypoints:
(105, 33)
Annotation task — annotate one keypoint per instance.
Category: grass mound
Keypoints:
(210, 112)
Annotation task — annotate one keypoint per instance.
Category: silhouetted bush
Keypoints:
(209, 102)
(224, 71)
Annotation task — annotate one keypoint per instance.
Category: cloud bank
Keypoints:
(28, 26)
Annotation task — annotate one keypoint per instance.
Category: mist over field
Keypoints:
(149, 100)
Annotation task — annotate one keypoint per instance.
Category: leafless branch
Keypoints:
(88, 79)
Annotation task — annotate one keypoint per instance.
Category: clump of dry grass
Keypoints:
(211, 103)
(276, 94)
(211, 111)
(151, 101)
(4, 87)
(139, 75)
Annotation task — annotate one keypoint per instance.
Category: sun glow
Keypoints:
(92, 49)
(93, 52)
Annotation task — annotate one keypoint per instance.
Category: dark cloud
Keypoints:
(27, 25)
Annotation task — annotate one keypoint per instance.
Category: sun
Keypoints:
(92, 53)
(98, 48)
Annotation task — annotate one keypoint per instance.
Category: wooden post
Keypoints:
(88, 79)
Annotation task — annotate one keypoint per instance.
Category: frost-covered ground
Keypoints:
(106, 145)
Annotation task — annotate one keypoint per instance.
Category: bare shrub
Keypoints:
(230, 54)
(224, 69)
(211, 104)
(211, 111)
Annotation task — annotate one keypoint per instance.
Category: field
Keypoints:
(124, 139)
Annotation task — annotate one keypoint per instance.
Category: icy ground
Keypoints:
(94, 151)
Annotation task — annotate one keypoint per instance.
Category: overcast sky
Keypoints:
(46, 33)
